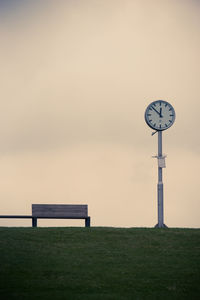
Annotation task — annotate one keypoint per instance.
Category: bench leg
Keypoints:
(34, 222)
(87, 222)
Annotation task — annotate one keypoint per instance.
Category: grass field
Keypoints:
(99, 263)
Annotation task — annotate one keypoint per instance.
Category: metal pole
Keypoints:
(160, 183)
(160, 223)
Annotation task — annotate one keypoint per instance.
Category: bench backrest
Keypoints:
(59, 210)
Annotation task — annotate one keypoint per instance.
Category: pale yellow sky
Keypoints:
(76, 77)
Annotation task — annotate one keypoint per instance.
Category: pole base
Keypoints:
(160, 226)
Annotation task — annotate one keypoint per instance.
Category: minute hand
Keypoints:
(156, 111)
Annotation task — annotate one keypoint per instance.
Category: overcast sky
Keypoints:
(76, 77)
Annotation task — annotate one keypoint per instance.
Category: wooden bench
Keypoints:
(59, 211)
(55, 211)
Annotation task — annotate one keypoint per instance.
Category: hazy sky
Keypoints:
(76, 77)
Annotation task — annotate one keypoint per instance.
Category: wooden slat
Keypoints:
(59, 210)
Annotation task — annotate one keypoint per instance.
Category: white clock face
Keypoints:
(160, 115)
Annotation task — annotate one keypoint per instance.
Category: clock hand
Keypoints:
(155, 110)
(161, 116)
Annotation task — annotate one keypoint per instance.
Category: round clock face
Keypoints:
(160, 115)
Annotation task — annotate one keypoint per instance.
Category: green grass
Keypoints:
(99, 263)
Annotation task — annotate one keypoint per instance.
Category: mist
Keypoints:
(76, 78)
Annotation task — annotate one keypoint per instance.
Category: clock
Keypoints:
(160, 115)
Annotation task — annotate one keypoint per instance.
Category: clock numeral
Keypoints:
(154, 124)
(160, 126)
(170, 121)
(170, 109)
(150, 120)
(148, 115)
(171, 115)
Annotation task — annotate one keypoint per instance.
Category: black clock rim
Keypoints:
(158, 129)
